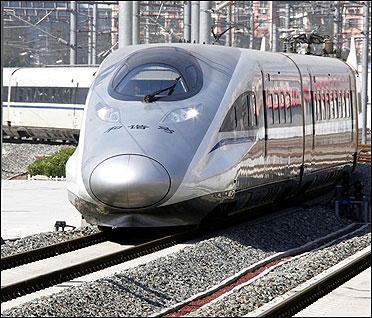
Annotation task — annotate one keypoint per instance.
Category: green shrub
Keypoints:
(52, 166)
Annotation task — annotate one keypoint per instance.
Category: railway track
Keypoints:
(304, 296)
(13, 288)
(99, 259)
(52, 250)
(291, 305)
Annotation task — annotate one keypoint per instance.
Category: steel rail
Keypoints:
(304, 298)
(34, 284)
(52, 250)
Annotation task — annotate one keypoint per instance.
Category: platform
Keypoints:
(33, 206)
(352, 299)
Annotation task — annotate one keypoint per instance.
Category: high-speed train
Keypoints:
(173, 134)
(45, 102)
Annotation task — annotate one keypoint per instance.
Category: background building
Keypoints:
(38, 32)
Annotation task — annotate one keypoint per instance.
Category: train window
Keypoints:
(320, 108)
(241, 108)
(229, 123)
(340, 105)
(316, 110)
(288, 108)
(5, 93)
(61, 95)
(282, 109)
(347, 99)
(335, 104)
(344, 104)
(67, 95)
(323, 105)
(351, 103)
(330, 107)
(276, 109)
(52, 95)
(81, 95)
(270, 109)
(193, 74)
(242, 115)
(19, 96)
(149, 78)
(327, 106)
(253, 108)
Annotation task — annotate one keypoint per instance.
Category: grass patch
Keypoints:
(52, 166)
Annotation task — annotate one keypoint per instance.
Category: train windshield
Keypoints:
(149, 78)
(165, 73)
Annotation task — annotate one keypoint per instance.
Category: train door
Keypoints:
(284, 126)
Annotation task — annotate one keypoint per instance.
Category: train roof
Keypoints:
(318, 64)
(51, 76)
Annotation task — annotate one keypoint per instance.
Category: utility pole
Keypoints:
(205, 22)
(90, 40)
(94, 34)
(136, 22)
(228, 37)
(187, 21)
(73, 25)
(125, 23)
(287, 17)
(147, 24)
(274, 31)
(251, 25)
(195, 13)
(2, 84)
(338, 29)
(365, 70)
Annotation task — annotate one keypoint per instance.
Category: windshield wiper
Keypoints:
(152, 97)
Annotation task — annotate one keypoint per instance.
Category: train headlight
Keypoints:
(107, 113)
(183, 114)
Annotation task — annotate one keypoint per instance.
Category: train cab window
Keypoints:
(242, 113)
(230, 122)
(149, 78)
(156, 70)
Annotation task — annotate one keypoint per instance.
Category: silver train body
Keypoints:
(45, 102)
(235, 129)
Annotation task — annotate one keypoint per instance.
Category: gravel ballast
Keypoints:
(40, 240)
(154, 286)
(282, 279)
(16, 157)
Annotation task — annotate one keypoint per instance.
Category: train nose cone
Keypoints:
(130, 181)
